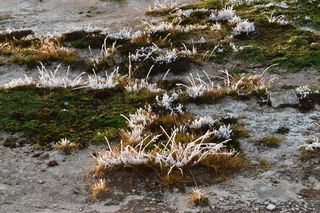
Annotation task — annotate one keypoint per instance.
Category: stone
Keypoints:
(44, 156)
(283, 98)
(175, 190)
(271, 207)
(52, 163)
(4, 187)
(57, 156)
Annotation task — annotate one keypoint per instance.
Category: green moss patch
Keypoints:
(45, 116)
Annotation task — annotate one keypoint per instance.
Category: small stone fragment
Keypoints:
(283, 98)
(271, 207)
(52, 163)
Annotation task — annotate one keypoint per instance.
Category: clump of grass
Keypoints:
(106, 58)
(5, 17)
(264, 164)
(100, 190)
(239, 85)
(169, 141)
(11, 34)
(173, 180)
(163, 7)
(240, 131)
(270, 141)
(311, 149)
(168, 121)
(225, 165)
(66, 146)
(308, 154)
(44, 50)
(186, 155)
(10, 143)
(198, 197)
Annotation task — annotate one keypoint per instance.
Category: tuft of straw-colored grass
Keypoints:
(198, 197)
(66, 146)
(270, 141)
(161, 7)
(310, 149)
(100, 190)
(232, 85)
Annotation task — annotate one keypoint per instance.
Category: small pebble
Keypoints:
(271, 207)
(52, 163)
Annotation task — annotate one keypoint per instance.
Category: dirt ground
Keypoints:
(50, 16)
(29, 184)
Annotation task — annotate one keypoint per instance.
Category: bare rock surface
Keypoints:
(283, 98)
(27, 184)
(287, 176)
(49, 16)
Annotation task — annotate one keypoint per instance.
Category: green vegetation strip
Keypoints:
(45, 116)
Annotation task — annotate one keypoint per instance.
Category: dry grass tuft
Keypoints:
(172, 181)
(270, 141)
(162, 7)
(66, 146)
(311, 149)
(100, 190)
(208, 90)
(198, 197)
(263, 164)
(225, 164)
(41, 51)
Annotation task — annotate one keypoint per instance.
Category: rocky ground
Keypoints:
(278, 180)
(49, 16)
(31, 182)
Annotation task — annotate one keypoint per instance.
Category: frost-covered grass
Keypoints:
(225, 14)
(166, 139)
(304, 92)
(206, 88)
(47, 79)
(310, 149)
(66, 146)
(198, 197)
(19, 82)
(109, 81)
(54, 79)
(161, 7)
(137, 85)
(168, 155)
(257, 25)
(35, 50)
(168, 27)
(280, 19)
(162, 136)
(314, 145)
(61, 79)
